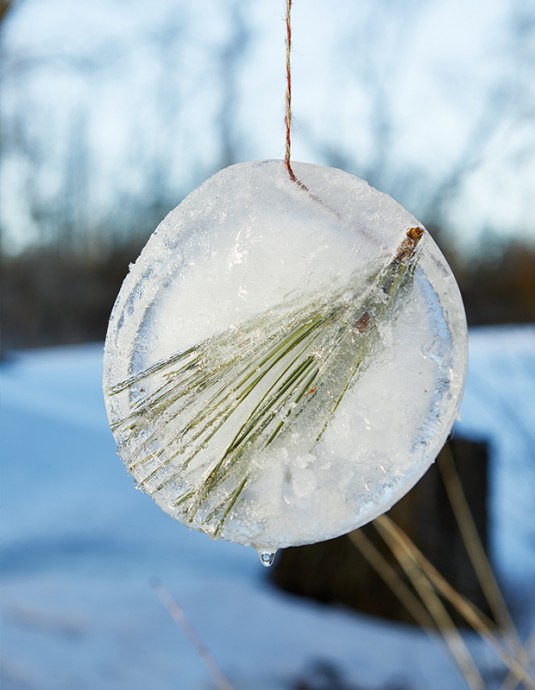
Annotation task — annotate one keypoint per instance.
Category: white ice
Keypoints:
(247, 241)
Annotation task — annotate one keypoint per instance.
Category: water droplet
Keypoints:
(266, 558)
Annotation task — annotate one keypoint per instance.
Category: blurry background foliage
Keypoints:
(112, 111)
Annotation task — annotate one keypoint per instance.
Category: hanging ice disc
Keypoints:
(282, 365)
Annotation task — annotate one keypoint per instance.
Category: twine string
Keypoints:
(288, 118)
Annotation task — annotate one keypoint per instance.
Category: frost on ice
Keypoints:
(281, 366)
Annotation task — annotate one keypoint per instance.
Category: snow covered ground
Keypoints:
(79, 547)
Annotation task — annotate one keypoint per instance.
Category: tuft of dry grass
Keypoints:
(423, 597)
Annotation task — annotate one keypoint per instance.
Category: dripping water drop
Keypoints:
(266, 558)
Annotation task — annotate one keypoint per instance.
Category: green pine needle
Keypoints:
(291, 365)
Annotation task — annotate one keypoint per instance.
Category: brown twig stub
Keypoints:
(409, 244)
(362, 323)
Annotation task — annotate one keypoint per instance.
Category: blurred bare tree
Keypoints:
(509, 99)
(5, 7)
(89, 213)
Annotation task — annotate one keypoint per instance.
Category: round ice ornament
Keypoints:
(284, 361)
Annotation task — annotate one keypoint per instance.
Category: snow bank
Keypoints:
(79, 547)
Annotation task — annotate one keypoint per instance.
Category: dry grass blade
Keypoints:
(177, 614)
(526, 657)
(434, 605)
(391, 578)
(480, 623)
(474, 547)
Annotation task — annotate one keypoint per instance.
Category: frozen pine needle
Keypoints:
(288, 366)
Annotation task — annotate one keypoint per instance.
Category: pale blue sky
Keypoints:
(147, 85)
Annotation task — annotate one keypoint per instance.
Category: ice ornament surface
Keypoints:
(282, 365)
